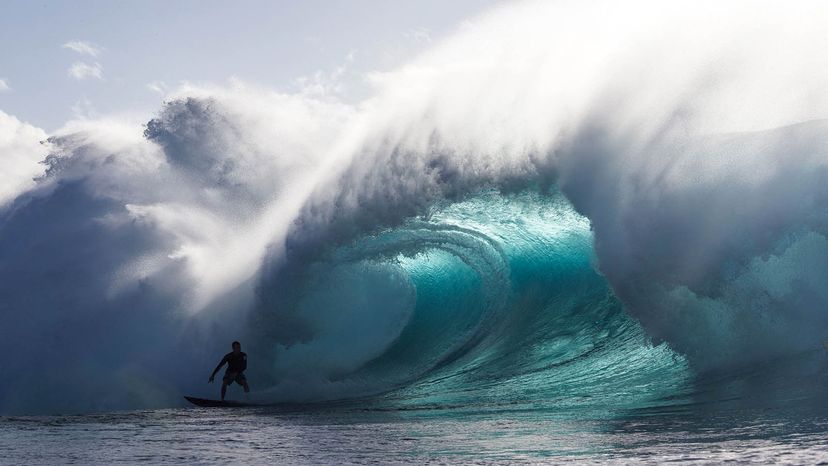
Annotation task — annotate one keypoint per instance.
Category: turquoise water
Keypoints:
(491, 301)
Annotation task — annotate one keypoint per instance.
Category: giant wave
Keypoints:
(562, 204)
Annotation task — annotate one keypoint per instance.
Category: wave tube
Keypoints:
(486, 303)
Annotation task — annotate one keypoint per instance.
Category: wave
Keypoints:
(561, 198)
(495, 302)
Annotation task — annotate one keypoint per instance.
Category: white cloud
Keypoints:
(84, 110)
(81, 70)
(20, 156)
(83, 47)
(158, 86)
(4, 85)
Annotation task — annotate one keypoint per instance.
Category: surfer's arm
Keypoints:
(221, 363)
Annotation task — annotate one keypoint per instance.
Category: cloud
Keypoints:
(81, 70)
(83, 109)
(158, 86)
(83, 47)
(4, 85)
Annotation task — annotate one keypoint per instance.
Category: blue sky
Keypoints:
(60, 60)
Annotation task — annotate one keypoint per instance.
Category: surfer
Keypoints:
(236, 364)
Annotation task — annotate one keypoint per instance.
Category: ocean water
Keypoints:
(356, 435)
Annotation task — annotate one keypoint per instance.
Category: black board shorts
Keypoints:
(231, 377)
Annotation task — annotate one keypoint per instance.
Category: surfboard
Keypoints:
(205, 403)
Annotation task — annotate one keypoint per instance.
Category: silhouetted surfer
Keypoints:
(236, 364)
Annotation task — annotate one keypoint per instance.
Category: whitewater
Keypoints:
(570, 231)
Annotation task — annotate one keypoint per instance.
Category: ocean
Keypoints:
(354, 435)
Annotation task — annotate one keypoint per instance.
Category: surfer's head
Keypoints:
(236, 346)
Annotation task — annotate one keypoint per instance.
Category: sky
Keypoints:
(79, 59)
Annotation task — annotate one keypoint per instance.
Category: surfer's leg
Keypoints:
(223, 390)
(242, 380)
